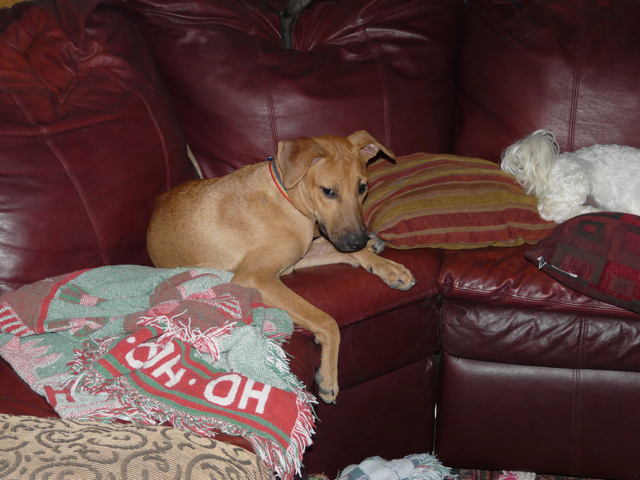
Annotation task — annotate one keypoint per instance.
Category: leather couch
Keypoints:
(99, 100)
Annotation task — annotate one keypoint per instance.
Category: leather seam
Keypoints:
(269, 98)
(355, 319)
(68, 168)
(35, 34)
(575, 448)
(152, 117)
(576, 79)
(485, 298)
(383, 79)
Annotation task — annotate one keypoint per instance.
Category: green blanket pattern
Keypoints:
(146, 345)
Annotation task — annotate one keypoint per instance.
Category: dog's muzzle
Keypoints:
(357, 241)
(347, 242)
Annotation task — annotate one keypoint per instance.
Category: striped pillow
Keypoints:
(450, 202)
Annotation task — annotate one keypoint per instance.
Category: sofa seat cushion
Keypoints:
(582, 424)
(351, 295)
(521, 336)
(88, 138)
(504, 277)
(381, 329)
(385, 67)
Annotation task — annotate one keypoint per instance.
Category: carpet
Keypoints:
(470, 474)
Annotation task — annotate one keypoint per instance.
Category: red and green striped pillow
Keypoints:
(450, 202)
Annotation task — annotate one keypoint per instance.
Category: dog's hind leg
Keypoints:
(323, 326)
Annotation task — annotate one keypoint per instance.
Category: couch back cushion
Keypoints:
(385, 67)
(569, 65)
(88, 139)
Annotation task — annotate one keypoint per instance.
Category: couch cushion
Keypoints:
(578, 423)
(566, 65)
(351, 295)
(426, 200)
(397, 406)
(503, 277)
(386, 67)
(381, 328)
(88, 139)
(520, 336)
(598, 255)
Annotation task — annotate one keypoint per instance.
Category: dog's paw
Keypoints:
(375, 244)
(393, 274)
(327, 390)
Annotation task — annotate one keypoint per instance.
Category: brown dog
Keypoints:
(261, 220)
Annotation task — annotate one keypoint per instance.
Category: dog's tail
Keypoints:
(530, 160)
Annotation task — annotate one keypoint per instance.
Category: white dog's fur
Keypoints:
(592, 179)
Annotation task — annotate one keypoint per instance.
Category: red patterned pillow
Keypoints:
(597, 255)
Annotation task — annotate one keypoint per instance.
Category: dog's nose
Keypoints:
(357, 241)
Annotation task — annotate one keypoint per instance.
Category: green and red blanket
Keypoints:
(146, 345)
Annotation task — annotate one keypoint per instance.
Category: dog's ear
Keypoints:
(294, 158)
(369, 146)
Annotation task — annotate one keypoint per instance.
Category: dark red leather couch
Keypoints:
(98, 100)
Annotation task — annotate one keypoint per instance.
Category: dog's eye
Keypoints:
(328, 192)
(362, 189)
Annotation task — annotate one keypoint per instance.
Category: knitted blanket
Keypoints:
(146, 345)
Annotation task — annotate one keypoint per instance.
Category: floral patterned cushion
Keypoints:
(32, 447)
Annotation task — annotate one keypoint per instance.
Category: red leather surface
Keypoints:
(569, 65)
(503, 277)
(390, 417)
(581, 423)
(351, 295)
(17, 398)
(304, 358)
(88, 139)
(387, 342)
(385, 67)
(533, 337)
(400, 327)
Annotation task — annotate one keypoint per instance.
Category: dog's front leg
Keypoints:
(567, 198)
(323, 326)
(560, 212)
(392, 273)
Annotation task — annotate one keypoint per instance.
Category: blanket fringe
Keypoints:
(140, 409)
(143, 410)
(204, 342)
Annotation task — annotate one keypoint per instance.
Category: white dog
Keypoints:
(592, 179)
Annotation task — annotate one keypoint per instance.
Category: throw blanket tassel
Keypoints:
(300, 438)
(204, 342)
